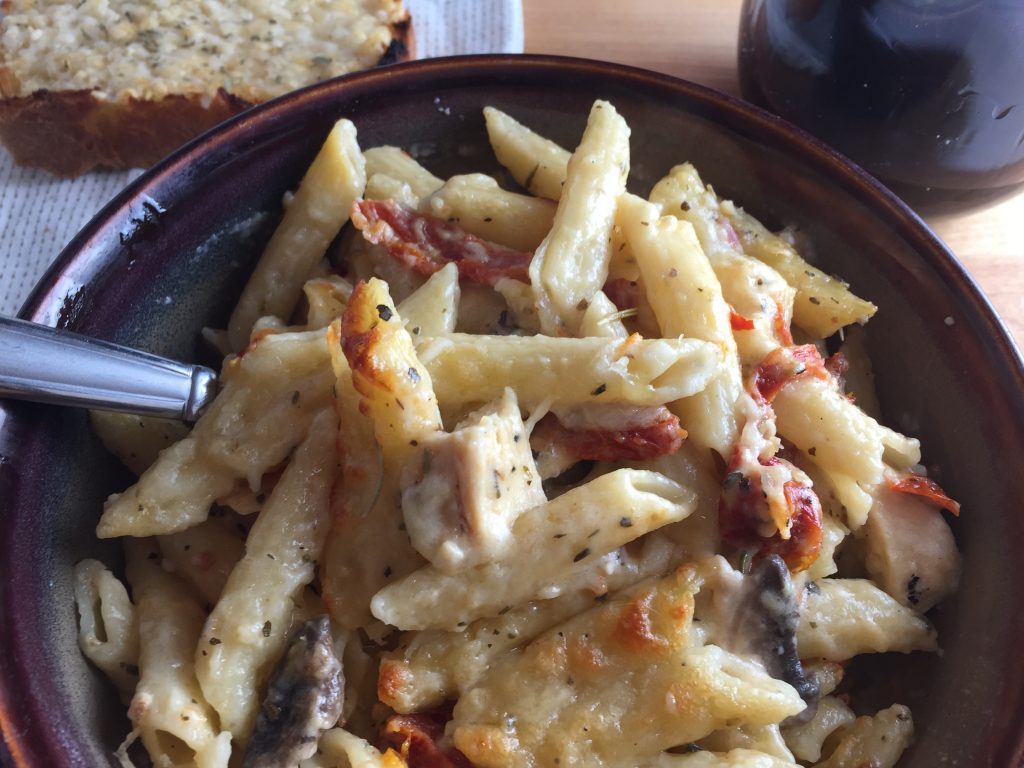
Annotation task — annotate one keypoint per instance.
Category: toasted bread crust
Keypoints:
(69, 133)
(403, 43)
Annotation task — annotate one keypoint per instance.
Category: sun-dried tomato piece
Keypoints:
(730, 234)
(739, 322)
(624, 294)
(657, 435)
(781, 327)
(919, 485)
(417, 738)
(783, 365)
(801, 549)
(837, 365)
(425, 244)
(742, 509)
(744, 513)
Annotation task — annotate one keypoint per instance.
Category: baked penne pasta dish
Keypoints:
(520, 473)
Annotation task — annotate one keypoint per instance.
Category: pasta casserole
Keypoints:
(521, 476)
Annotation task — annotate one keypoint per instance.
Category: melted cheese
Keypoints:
(437, 666)
(614, 686)
(255, 49)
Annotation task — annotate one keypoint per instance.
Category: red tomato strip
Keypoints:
(739, 322)
(801, 549)
(783, 365)
(919, 485)
(837, 365)
(743, 508)
(425, 244)
(731, 237)
(659, 437)
(781, 329)
(625, 294)
(417, 739)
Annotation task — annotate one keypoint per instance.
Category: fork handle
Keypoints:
(47, 365)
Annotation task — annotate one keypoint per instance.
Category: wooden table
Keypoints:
(696, 40)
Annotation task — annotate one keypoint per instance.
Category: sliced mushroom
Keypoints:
(767, 621)
(304, 698)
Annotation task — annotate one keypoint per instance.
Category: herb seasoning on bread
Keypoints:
(120, 83)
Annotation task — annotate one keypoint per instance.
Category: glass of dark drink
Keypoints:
(927, 95)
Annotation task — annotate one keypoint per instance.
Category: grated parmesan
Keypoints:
(254, 49)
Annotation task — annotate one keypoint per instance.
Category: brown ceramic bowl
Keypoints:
(170, 253)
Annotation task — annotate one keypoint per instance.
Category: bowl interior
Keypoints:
(170, 256)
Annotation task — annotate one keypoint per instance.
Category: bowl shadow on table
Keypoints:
(153, 277)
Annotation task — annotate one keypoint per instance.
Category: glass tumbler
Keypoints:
(927, 95)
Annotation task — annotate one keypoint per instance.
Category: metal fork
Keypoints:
(48, 365)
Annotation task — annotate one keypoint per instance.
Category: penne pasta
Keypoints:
(396, 388)
(571, 264)
(807, 740)
(823, 303)
(438, 665)
(686, 298)
(247, 628)
(602, 319)
(557, 541)
(269, 398)
(880, 739)
(174, 721)
(135, 440)
(476, 369)
(841, 618)
(367, 545)
(516, 480)
(108, 631)
(479, 206)
(762, 740)
(380, 186)
(816, 418)
(326, 297)
(204, 556)
(401, 167)
(536, 163)
(628, 661)
(312, 219)
(433, 309)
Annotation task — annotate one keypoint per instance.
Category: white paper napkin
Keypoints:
(39, 214)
